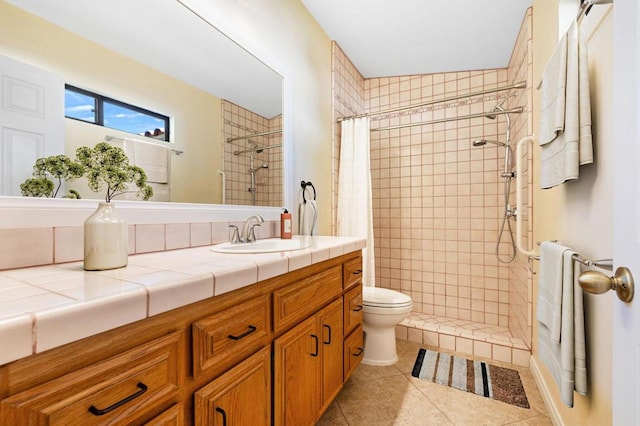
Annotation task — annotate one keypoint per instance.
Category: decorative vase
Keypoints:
(106, 239)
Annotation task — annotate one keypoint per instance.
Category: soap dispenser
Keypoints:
(285, 225)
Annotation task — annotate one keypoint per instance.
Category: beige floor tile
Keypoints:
(380, 396)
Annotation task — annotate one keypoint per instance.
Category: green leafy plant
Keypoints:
(108, 165)
(48, 169)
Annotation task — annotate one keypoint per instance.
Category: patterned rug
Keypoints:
(501, 384)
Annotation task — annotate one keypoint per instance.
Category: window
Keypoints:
(97, 109)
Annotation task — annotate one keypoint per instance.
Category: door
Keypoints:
(626, 317)
(31, 120)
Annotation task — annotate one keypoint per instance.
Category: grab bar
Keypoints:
(520, 144)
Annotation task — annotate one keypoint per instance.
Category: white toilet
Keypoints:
(383, 309)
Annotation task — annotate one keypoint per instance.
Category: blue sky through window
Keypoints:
(128, 120)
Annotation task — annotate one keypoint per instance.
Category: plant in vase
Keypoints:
(105, 231)
(47, 169)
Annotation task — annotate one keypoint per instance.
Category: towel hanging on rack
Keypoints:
(565, 122)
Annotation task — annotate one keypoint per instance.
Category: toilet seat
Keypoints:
(384, 298)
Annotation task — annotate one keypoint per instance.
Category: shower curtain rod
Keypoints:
(273, 132)
(520, 85)
(113, 138)
(517, 110)
(256, 149)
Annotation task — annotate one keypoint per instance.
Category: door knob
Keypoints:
(596, 282)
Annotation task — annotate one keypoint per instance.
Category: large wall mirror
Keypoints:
(224, 104)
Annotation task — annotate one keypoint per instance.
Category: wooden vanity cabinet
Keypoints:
(276, 352)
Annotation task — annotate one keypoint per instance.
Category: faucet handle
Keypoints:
(235, 237)
(252, 235)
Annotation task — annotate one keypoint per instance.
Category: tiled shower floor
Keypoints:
(465, 337)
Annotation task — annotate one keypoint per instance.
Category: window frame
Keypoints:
(99, 101)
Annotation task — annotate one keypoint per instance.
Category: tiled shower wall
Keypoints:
(520, 278)
(438, 201)
(239, 121)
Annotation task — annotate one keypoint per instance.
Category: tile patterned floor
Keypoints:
(378, 396)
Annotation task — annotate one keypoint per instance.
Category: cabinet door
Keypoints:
(241, 396)
(297, 366)
(330, 329)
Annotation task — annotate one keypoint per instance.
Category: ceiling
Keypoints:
(404, 37)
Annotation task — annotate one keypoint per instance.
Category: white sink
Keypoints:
(270, 245)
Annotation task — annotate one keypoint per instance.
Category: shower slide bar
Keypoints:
(517, 110)
(110, 138)
(253, 135)
(257, 149)
(531, 254)
(520, 85)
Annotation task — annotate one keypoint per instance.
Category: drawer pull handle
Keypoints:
(358, 308)
(252, 328)
(328, 327)
(224, 415)
(317, 348)
(99, 412)
(357, 272)
(359, 352)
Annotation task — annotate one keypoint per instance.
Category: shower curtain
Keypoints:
(355, 208)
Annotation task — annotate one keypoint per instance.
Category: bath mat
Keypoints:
(501, 384)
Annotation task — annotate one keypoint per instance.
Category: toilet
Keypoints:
(382, 309)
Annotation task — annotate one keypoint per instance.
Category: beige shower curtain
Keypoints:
(355, 208)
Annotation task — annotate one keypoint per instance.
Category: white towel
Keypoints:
(151, 157)
(550, 284)
(308, 214)
(566, 359)
(565, 136)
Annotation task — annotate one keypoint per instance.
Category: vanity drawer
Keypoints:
(297, 301)
(128, 388)
(353, 351)
(352, 272)
(352, 309)
(229, 336)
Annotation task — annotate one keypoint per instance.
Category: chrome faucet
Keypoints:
(248, 234)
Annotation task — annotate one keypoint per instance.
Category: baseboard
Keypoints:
(554, 414)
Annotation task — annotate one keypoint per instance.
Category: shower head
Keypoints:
(483, 142)
(264, 166)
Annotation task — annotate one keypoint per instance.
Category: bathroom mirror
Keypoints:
(168, 60)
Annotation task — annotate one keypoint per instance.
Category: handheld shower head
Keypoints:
(483, 142)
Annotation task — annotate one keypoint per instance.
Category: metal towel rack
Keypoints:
(600, 263)
(304, 186)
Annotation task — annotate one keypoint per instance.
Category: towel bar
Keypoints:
(600, 263)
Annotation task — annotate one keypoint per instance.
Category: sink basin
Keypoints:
(270, 245)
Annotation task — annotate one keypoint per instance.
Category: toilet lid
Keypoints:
(384, 297)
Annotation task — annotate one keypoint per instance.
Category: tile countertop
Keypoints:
(48, 306)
